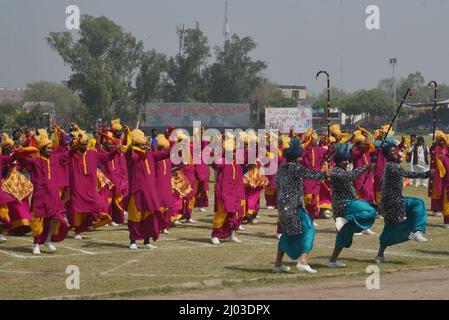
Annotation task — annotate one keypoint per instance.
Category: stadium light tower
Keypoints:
(393, 63)
(226, 30)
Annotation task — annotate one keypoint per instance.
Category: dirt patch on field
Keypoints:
(432, 283)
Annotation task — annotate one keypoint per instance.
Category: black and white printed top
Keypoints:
(290, 194)
(341, 182)
(392, 204)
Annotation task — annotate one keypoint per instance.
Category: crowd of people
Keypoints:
(57, 181)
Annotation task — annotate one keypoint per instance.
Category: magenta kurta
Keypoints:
(229, 197)
(437, 186)
(84, 197)
(46, 203)
(312, 158)
(202, 174)
(144, 193)
(360, 159)
(163, 182)
(270, 190)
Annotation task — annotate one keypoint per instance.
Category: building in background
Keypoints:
(11, 94)
(299, 93)
(319, 118)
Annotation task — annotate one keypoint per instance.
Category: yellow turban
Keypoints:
(42, 139)
(162, 142)
(384, 129)
(6, 141)
(285, 142)
(332, 139)
(181, 135)
(229, 145)
(358, 137)
(116, 125)
(243, 137)
(80, 137)
(252, 137)
(138, 137)
(335, 129)
(441, 135)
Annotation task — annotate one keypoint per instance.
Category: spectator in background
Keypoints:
(419, 161)
(154, 139)
(408, 154)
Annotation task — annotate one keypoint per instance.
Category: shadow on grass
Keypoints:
(436, 225)
(27, 249)
(91, 244)
(367, 261)
(258, 234)
(445, 253)
(327, 230)
(250, 270)
(197, 240)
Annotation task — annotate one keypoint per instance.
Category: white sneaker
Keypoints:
(215, 241)
(176, 223)
(436, 214)
(50, 246)
(254, 221)
(278, 236)
(78, 237)
(378, 259)
(149, 246)
(241, 228)
(305, 267)
(417, 236)
(336, 264)
(235, 239)
(270, 208)
(368, 232)
(133, 246)
(165, 231)
(315, 224)
(190, 221)
(203, 209)
(36, 249)
(280, 269)
(2, 238)
(327, 213)
(340, 223)
(113, 224)
(90, 228)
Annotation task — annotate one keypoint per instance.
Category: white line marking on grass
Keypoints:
(78, 250)
(11, 254)
(104, 273)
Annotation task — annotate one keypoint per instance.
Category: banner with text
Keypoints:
(283, 119)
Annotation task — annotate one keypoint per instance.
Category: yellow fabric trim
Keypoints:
(269, 191)
(113, 164)
(117, 200)
(133, 214)
(84, 164)
(48, 167)
(173, 219)
(37, 226)
(445, 203)
(165, 167)
(147, 166)
(440, 167)
(4, 212)
(219, 216)
(104, 220)
(308, 199)
(21, 223)
(233, 171)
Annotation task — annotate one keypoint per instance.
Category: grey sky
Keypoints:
(296, 37)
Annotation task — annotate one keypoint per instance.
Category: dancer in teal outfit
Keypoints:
(298, 231)
(405, 218)
(351, 215)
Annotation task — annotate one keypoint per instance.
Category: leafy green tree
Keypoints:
(185, 82)
(8, 113)
(33, 119)
(337, 97)
(368, 103)
(103, 61)
(235, 76)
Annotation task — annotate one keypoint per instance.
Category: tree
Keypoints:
(185, 82)
(235, 76)
(103, 62)
(8, 113)
(33, 119)
(368, 103)
(337, 99)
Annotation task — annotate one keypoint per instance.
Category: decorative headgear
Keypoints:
(358, 137)
(162, 142)
(138, 137)
(42, 139)
(294, 151)
(116, 125)
(6, 141)
(386, 147)
(342, 152)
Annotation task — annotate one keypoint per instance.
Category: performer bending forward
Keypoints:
(298, 231)
(351, 215)
(405, 218)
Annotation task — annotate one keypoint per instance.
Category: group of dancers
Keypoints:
(58, 181)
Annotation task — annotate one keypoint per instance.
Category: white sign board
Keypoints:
(284, 119)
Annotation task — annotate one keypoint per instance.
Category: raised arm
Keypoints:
(307, 174)
(397, 168)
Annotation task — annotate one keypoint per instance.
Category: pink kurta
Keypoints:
(163, 182)
(312, 158)
(46, 203)
(360, 159)
(437, 185)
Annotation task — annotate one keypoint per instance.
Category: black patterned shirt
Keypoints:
(290, 194)
(392, 204)
(341, 182)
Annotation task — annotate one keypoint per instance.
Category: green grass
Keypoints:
(185, 260)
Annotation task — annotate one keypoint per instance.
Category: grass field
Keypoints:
(185, 261)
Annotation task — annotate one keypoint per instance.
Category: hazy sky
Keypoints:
(295, 37)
